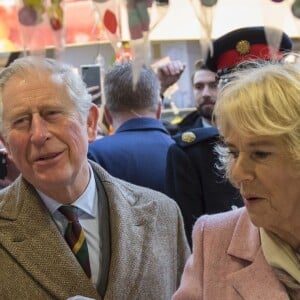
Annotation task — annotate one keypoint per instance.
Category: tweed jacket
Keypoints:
(148, 246)
(227, 262)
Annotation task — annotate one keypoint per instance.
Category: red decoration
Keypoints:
(110, 21)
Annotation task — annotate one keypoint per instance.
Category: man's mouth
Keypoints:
(47, 156)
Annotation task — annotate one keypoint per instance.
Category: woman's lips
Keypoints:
(251, 198)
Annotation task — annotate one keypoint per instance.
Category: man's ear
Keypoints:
(158, 111)
(92, 123)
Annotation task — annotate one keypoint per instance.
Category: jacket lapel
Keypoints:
(131, 226)
(31, 237)
(256, 279)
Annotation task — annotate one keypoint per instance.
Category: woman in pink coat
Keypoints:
(254, 252)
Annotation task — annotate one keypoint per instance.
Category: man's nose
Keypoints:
(207, 90)
(39, 130)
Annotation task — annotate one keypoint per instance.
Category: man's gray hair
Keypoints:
(122, 95)
(24, 66)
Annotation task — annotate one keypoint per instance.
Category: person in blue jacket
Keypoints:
(137, 150)
(192, 178)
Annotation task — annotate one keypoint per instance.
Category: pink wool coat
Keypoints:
(227, 262)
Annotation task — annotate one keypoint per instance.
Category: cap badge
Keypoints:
(243, 47)
(188, 137)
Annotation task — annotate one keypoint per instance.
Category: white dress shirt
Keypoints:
(88, 215)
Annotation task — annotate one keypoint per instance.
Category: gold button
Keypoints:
(188, 137)
(243, 47)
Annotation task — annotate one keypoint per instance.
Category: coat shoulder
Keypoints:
(195, 136)
(221, 224)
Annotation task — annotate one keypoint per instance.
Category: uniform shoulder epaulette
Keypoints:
(194, 136)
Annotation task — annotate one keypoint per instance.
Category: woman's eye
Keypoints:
(233, 153)
(261, 154)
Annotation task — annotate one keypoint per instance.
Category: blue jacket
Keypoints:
(136, 153)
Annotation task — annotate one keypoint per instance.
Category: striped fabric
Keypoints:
(75, 238)
(291, 284)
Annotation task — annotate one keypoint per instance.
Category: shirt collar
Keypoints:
(86, 202)
(205, 123)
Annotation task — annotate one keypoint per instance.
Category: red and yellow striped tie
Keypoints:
(75, 238)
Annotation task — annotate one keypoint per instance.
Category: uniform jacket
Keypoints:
(136, 153)
(228, 262)
(193, 181)
(190, 121)
(148, 246)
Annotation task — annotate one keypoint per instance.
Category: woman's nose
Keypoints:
(242, 169)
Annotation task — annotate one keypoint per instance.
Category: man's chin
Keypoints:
(207, 114)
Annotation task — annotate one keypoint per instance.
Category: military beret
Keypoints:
(244, 44)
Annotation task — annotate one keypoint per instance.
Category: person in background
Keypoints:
(205, 92)
(68, 228)
(253, 252)
(192, 179)
(137, 150)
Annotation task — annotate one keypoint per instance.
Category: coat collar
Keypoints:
(140, 124)
(257, 275)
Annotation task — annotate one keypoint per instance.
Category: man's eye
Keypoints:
(52, 113)
(213, 85)
(199, 86)
(21, 122)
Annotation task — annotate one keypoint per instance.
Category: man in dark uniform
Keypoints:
(192, 178)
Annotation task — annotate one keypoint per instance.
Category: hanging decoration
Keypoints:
(33, 16)
(55, 14)
(296, 9)
(204, 10)
(139, 25)
(138, 17)
(35, 24)
(209, 3)
(273, 37)
(109, 17)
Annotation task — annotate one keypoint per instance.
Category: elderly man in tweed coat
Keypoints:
(135, 236)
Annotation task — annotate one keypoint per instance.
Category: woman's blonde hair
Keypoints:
(262, 100)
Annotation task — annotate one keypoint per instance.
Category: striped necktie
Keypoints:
(75, 238)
